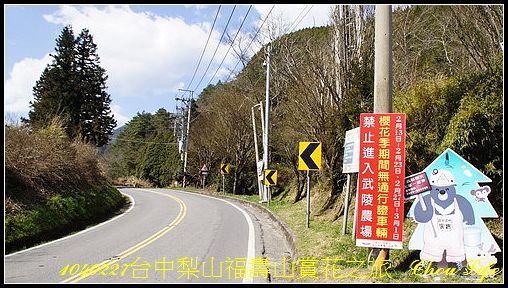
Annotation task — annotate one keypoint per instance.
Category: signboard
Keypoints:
(204, 170)
(416, 184)
(351, 151)
(380, 199)
(270, 177)
(460, 181)
(224, 168)
(309, 156)
(260, 166)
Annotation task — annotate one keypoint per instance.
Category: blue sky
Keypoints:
(148, 51)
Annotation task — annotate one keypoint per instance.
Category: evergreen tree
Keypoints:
(147, 149)
(73, 87)
(159, 162)
(55, 93)
(162, 121)
(96, 123)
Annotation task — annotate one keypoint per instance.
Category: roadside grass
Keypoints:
(61, 216)
(53, 186)
(339, 260)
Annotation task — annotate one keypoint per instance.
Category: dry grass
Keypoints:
(53, 186)
(132, 181)
(42, 163)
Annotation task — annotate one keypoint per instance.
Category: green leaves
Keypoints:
(147, 149)
(477, 125)
(463, 113)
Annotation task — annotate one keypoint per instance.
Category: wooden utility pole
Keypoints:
(383, 60)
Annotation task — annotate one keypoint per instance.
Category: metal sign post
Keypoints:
(353, 233)
(346, 200)
(259, 170)
(224, 169)
(308, 200)
(309, 158)
(223, 191)
(269, 195)
(351, 164)
(204, 172)
(270, 178)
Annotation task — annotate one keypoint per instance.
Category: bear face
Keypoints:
(443, 195)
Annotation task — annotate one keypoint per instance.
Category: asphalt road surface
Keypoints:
(167, 236)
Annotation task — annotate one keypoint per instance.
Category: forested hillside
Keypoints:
(448, 79)
(147, 149)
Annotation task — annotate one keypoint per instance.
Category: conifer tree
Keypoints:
(73, 87)
(55, 93)
(96, 123)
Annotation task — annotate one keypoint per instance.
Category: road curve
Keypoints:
(168, 236)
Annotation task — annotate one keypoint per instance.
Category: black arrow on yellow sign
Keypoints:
(224, 168)
(310, 156)
(270, 177)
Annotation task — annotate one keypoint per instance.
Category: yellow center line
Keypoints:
(181, 214)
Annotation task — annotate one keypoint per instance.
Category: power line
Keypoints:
(297, 17)
(206, 45)
(218, 45)
(147, 142)
(230, 46)
(293, 25)
(301, 18)
(153, 130)
(252, 40)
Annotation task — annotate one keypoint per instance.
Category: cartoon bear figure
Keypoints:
(444, 213)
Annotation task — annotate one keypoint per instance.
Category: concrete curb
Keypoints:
(288, 234)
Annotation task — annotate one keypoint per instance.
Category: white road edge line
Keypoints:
(133, 203)
(251, 242)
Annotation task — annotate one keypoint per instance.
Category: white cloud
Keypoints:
(197, 6)
(18, 87)
(143, 53)
(306, 15)
(120, 119)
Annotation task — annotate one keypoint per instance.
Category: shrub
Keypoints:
(53, 186)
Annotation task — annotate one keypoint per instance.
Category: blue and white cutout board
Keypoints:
(467, 178)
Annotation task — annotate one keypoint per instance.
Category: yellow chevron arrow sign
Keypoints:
(224, 168)
(309, 156)
(270, 177)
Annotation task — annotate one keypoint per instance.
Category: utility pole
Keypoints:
(262, 117)
(267, 121)
(382, 83)
(383, 60)
(188, 102)
(260, 184)
(175, 119)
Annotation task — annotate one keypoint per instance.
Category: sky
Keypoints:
(149, 51)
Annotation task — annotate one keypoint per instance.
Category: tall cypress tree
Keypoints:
(55, 93)
(73, 87)
(96, 123)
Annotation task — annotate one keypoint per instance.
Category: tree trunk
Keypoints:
(235, 178)
(300, 188)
